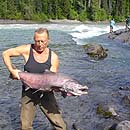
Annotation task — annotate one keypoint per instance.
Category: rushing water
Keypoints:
(102, 77)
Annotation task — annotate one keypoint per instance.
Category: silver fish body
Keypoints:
(49, 81)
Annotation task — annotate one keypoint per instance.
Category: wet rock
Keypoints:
(95, 51)
(127, 88)
(106, 111)
(113, 127)
(123, 125)
(126, 100)
(74, 126)
(121, 35)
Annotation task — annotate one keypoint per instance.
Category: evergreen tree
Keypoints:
(42, 10)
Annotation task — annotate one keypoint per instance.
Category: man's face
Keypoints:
(41, 41)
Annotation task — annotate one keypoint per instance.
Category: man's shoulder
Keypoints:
(54, 55)
(23, 48)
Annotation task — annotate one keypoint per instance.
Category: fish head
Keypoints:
(73, 88)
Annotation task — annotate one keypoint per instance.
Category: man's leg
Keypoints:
(128, 26)
(111, 29)
(50, 108)
(27, 112)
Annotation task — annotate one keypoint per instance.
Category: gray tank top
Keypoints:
(33, 66)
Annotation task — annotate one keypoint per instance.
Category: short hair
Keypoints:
(42, 30)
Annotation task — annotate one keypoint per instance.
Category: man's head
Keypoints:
(41, 37)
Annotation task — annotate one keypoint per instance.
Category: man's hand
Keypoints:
(14, 74)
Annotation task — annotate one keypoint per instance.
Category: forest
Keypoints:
(82, 10)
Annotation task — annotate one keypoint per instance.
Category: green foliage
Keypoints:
(82, 16)
(96, 10)
(18, 16)
(40, 17)
(73, 14)
(3, 9)
(65, 6)
(102, 15)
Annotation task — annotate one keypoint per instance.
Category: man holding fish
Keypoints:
(37, 57)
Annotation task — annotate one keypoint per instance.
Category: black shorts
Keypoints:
(111, 26)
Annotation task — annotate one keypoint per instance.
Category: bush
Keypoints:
(73, 14)
(99, 15)
(103, 15)
(40, 17)
(82, 16)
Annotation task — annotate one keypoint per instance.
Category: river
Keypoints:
(103, 77)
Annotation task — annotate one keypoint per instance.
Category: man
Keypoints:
(112, 23)
(37, 58)
(127, 24)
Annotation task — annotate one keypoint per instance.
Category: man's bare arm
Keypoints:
(54, 62)
(13, 52)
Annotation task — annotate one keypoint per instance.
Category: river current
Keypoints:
(103, 77)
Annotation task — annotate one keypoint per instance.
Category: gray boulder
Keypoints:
(124, 125)
(95, 51)
(126, 100)
(107, 111)
(121, 36)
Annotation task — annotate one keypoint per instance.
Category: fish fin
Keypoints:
(26, 89)
(41, 95)
(36, 91)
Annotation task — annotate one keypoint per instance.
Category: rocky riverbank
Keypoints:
(121, 36)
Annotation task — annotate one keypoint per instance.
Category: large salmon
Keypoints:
(49, 81)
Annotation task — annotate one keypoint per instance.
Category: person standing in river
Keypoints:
(37, 57)
(112, 24)
(127, 24)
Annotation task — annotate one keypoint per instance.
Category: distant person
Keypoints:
(127, 23)
(112, 24)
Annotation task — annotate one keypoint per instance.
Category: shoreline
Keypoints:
(8, 21)
(57, 21)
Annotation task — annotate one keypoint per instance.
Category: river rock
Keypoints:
(106, 111)
(126, 88)
(123, 125)
(95, 51)
(126, 100)
(122, 36)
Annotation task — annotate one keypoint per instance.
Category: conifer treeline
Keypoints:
(43, 10)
